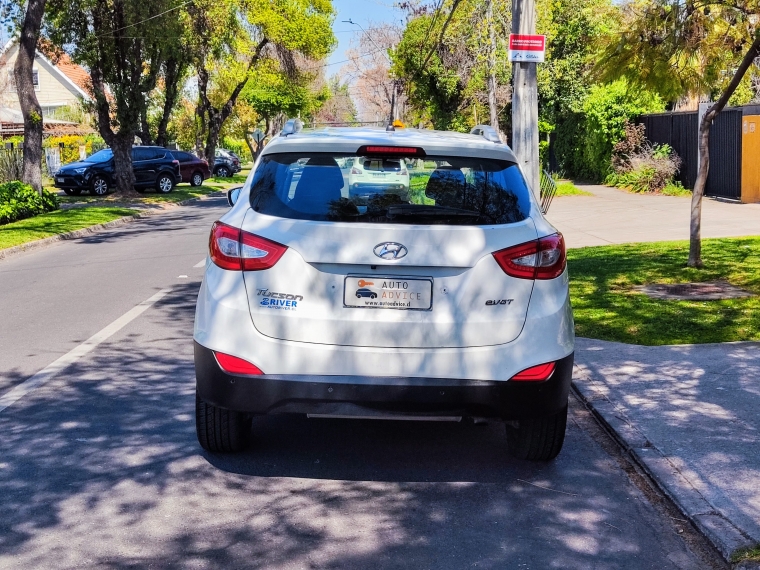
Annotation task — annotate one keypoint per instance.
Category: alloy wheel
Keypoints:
(100, 187)
(165, 184)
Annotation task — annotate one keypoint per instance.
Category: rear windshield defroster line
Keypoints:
(440, 190)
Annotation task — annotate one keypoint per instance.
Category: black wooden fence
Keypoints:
(680, 131)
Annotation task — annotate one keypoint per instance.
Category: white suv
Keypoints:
(449, 301)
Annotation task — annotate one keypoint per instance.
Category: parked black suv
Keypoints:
(226, 163)
(154, 167)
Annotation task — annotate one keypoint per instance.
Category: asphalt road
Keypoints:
(100, 468)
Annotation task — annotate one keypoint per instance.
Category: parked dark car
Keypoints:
(193, 169)
(154, 167)
(226, 164)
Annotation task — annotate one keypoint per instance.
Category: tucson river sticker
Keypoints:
(282, 301)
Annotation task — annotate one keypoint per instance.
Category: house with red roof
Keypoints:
(60, 84)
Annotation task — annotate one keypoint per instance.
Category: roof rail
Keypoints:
(292, 126)
(487, 132)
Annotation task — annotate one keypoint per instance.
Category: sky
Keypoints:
(364, 13)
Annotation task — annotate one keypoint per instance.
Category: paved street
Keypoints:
(99, 467)
(616, 216)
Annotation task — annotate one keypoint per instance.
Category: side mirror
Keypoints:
(233, 195)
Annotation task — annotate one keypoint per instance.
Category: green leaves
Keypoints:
(19, 201)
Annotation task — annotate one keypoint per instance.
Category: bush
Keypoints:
(238, 146)
(640, 166)
(585, 139)
(19, 201)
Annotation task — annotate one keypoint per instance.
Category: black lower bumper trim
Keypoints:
(268, 394)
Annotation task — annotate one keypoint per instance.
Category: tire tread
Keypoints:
(538, 439)
(220, 430)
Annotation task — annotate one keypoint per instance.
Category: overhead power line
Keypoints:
(443, 31)
(177, 7)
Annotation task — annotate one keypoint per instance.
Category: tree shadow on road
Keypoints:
(101, 468)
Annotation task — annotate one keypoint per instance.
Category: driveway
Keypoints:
(616, 216)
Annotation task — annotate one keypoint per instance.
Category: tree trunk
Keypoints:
(174, 72)
(144, 133)
(120, 142)
(27, 98)
(217, 116)
(122, 158)
(695, 225)
(492, 108)
(253, 150)
(212, 137)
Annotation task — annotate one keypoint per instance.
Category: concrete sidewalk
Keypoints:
(616, 216)
(690, 414)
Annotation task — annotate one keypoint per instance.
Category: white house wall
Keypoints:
(52, 92)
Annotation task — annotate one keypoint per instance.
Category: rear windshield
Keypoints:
(434, 190)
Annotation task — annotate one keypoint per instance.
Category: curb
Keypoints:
(48, 241)
(722, 533)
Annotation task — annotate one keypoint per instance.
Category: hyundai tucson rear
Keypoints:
(447, 300)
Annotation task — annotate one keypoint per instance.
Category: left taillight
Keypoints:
(236, 250)
(544, 258)
(234, 365)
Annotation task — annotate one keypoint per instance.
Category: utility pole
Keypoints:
(525, 99)
(492, 108)
(393, 104)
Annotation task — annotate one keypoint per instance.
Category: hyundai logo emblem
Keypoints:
(390, 250)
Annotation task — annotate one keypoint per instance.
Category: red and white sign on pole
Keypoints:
(527, 48)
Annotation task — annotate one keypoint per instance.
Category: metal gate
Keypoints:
(680, 131)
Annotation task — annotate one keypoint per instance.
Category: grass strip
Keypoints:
(606, 306)
(567, 188)
(746, 555)
(55, 223)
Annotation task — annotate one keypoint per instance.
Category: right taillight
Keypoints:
(544, 258)
(355, 170)
(236, 250)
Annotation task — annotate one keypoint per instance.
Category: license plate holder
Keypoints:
(59, 179)
(399, 293)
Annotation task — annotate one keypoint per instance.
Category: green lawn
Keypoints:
(606, 306)
(567, 188)
(58, 222)
(180, 193)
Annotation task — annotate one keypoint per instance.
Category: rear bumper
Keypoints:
(507, 400)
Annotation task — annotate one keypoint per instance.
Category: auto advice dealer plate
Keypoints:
(388, 293)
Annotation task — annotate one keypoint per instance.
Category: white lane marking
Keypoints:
(201, 263)
(44, 375)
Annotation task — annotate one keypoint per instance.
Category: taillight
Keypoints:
(235, 365)
(236, 250)
(404, 172)
(541, 259)
(175, 161)
(536, 373)
(355, 170)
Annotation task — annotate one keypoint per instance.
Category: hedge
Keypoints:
(19, 201)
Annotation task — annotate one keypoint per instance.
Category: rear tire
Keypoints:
(223, 172)
(164, 183)
(220, 430)
(196, 179)
(538, 439)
